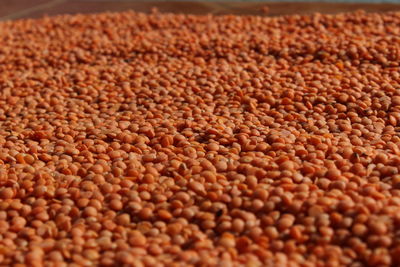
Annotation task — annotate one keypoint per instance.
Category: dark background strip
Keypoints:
(16, 9)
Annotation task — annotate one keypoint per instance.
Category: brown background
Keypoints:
(15, 9)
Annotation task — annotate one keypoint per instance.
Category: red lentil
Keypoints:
(180, 140)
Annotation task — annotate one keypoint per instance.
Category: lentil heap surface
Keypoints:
(171, 140)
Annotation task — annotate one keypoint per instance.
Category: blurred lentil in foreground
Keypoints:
(172, 140)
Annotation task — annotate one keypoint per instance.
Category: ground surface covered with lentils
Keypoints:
(171, 140)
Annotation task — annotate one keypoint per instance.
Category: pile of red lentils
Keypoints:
(133, 139)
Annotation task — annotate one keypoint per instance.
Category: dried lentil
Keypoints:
(180, 140)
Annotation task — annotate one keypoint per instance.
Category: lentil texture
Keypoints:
(131, 139)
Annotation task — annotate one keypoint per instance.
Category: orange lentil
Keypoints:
(6, 193)
(116, 204)
(129, 139)
(164, 214)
